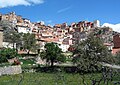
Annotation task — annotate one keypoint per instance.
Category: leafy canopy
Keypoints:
(29, 42)
(117, 56)
(89, 53)
(7, 53)
(52, 53)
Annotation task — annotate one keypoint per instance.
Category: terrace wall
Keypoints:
(10, 70)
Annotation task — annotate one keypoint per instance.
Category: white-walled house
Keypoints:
(8, 45)
(24, 29)
(64, 47)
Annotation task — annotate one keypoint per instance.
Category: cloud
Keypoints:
(11, 3)
(64, 9)
(36, 1)
(115, 27)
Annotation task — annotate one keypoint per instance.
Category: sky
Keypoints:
(60, 11)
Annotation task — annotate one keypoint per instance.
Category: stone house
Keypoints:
(116, 42)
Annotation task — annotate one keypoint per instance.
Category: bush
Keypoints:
(117, 56)
(7, 53)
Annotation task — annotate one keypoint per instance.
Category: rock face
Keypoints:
(10, 70)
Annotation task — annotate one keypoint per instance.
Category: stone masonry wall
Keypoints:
(10, 70)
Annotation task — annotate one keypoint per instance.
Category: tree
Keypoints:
(14, 38)
(90, 53)
(9, 32)
(6, 25)
(52, 53)
(29, 42)
(117, 56)
(7, 53)
(26, 41)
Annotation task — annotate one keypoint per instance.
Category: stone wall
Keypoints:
(10, 70)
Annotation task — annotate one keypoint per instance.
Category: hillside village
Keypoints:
(29, 50)
(63, 34)
(59, 42)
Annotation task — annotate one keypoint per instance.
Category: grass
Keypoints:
(47, 79)
(41, 79)
(27, 61)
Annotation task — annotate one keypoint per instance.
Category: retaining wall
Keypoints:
(10, 70)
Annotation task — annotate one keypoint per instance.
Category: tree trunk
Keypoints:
(28, 53)
(16, 47)
(52, 63)
(13, 45)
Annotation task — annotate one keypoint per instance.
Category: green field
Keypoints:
(48, 79)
